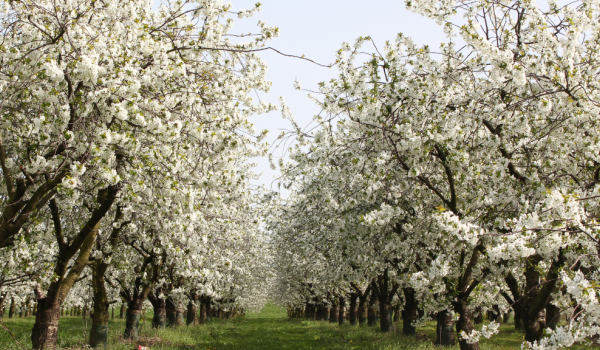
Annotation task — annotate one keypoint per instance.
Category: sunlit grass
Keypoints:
(269, 329)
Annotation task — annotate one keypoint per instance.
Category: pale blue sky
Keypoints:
(317, 28)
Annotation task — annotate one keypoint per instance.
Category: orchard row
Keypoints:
(454, 181)
(125, 152)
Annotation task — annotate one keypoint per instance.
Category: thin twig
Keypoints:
(11, 334)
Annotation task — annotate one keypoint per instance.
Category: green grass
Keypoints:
(269, 329)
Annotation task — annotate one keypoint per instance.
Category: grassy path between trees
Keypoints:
(268, 330)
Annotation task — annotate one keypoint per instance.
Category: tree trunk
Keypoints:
(334, 314)
(372, 311)
(342, 316)
(12, 309)
(159, 305)
(326, 313)
(122, 311)
(171, 309)
(132, 318)
(496, 314)
(2, 298)
(159, 320)
(45, 329)
(518, 317)
(100, 316)
(179, 315)
(362, 309)
(385, 316)
(385, 292)
(353, 308)
(464, 324)
(552, 316)
(192, 314)
(445, 329)
(410, 313)
(319, 313)
(534, 326)
(397, 313)
(204, 310)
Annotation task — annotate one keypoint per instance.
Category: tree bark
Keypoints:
(363, 304)
(385, 292)
(45, 333)
(100, 316)
(537, 299)
(552, 316)
(99, 331)
(334, 313)
(464, 323)
(179, 315)
(496, 315)
(385, 318)
(135, 299)
(410, 313)
(171, 308)
(445, 329)
(192, 313)
(372, 311)
(342, 315)
(132, 319)
(466, 284)
(353, 309)
(319, 312)
(159, 320)
(205, 305)
(397, 312)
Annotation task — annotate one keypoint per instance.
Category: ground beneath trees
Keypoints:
(267, 330)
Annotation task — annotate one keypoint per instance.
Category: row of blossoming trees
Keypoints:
(454, 182)
(124, 153)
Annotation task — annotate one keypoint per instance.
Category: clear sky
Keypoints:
(317, 28)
